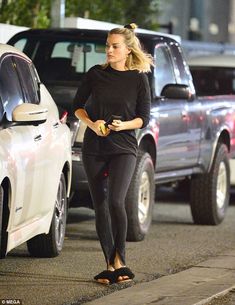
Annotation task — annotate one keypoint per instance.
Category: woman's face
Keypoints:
(116, 50)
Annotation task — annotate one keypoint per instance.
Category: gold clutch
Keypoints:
(103, 129)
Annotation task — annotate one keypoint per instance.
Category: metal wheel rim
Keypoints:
(60, 216)
(144, 198)
(222, 182)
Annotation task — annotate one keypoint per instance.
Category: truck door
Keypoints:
(173, 127)
(193, 110)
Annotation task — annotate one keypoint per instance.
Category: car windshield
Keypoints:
(213, 80)
(63, 60)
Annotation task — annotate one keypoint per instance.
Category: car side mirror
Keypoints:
(30, 114)
(176, 91)
(25, 114)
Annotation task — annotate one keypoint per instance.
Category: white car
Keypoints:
(35, 160)
(215, 75)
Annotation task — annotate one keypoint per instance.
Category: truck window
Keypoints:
(163, 71)
(183, 74)
(213, 80)
(69, 60)
(62, 60)
(83, 55)
(20, 44)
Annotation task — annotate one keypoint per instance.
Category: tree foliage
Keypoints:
(36, 13)
(144, 13)
(26, 13)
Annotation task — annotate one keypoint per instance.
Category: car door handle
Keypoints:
(184, 114)
(38, 138)
(56, 125)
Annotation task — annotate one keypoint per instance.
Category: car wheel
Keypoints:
(140, 198)
(4, 216)
(209, 193)
(50, 245)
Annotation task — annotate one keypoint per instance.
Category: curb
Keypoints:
(195, 286)
(219, 294)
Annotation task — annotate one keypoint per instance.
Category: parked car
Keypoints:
(35, 160)
(215, 75)
(188, 138)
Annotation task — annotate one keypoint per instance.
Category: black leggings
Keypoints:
(108, 196)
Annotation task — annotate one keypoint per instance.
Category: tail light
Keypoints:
(63, 118)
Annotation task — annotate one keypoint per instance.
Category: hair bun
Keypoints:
(131, 26)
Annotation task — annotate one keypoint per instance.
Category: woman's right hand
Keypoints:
(99, 128)
(95, 126)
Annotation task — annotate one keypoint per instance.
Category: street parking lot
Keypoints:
(174, 243)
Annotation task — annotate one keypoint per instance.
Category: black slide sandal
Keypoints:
(106, 275)
(124, 271)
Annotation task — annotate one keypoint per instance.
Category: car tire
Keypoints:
(50, 245)
(140, 198)
(4, 216)
(209, 193)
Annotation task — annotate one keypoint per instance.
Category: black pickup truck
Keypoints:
(188, 141)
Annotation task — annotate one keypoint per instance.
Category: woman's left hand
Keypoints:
(117, 125)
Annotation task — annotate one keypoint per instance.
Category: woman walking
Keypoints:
(119, 103)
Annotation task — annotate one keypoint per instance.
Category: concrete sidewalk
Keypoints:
(195, 286)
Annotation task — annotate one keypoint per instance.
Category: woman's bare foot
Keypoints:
(118, 265)
(106, 277)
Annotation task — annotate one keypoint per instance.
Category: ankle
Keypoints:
(110, 267)
(118, 263)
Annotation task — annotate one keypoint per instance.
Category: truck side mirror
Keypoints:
(176, 91)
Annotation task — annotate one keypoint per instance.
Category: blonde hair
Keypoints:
(137, 59)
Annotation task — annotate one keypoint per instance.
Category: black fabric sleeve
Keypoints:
(143, 100)
(83, 92)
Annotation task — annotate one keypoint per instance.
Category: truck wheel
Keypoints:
(50, 245)
(209, 193)
(140, 198)
(4, 216)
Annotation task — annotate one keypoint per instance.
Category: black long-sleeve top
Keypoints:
(106, 92)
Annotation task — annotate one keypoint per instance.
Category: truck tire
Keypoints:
(50, 245)
(209, 193)
(140, 198)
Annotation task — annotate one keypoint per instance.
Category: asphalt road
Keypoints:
(173, 244)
